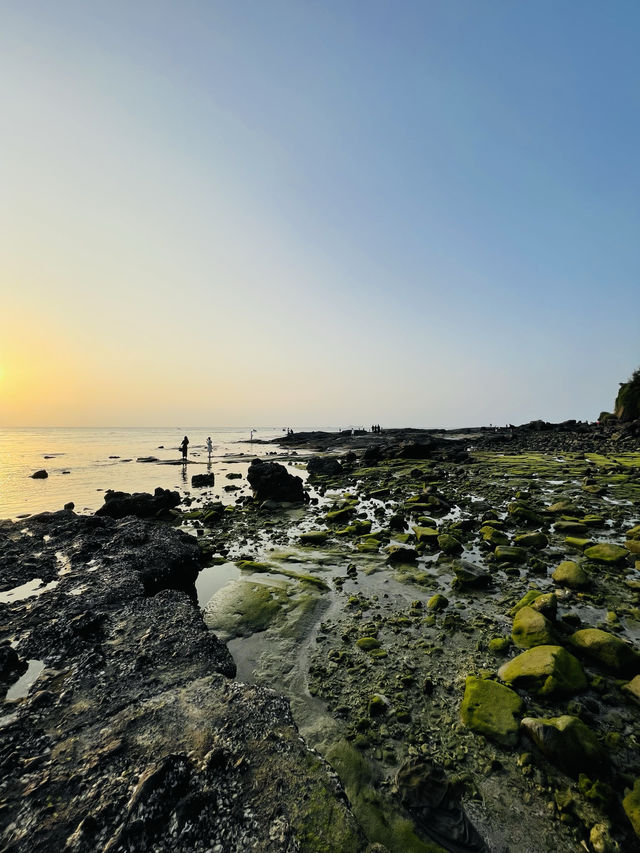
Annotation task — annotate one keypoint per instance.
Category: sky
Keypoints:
(318, 212)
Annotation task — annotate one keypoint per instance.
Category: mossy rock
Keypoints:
(563, 507)
(606, 649)
(575, 528)
(525, 514)
(634, 533)
(547, 604)
(493, 536)
(578, 543)
(370, 545)
(631, 806)
(449, 544)
(437, 602)
(245, 608)
(510, 554)
(605, 552)
(401, 554)
(594, 521)
(531, 628)
(536, 541)
(571, 575)
(428, 535)
(632, 688)
(383, 823)
(378, 705)
(633, 546)
(568, 743)
(368, 643)
(314, 537)
(254, 566)
(490, 709)
(526, 600)
(546, 671)
(499, 645)
(342, 514)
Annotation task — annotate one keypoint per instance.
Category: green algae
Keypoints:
(381, 822)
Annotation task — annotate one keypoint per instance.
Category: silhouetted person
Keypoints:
(209, 447)
(184, 447)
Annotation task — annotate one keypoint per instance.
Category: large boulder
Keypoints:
(201, 480)
(323, 466)
(607, 650)
(272, 481)
(139, 504)
(545, 671)
(490, 709)
(571, 575)
(568, 743)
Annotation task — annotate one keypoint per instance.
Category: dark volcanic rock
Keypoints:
(133, 737)
(39, 475)
(323, 465)
(199, 480)
(272, 481)
(140, 504)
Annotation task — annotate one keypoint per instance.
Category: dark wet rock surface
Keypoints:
(140, 504)
(134, 737)
(272, 481)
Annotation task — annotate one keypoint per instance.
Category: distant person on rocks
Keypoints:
(209, 447)
(184, 447)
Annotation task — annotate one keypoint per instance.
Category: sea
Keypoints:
(82, 463)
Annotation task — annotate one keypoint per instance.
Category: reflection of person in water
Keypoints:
(183, 447)
(209, 447)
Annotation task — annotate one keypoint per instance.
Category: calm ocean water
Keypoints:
(82, 463)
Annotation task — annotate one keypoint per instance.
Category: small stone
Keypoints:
(438, 602)
(606, 553)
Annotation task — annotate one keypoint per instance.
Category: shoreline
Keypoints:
(384, 552)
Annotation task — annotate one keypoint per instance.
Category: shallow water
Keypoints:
(82, 463)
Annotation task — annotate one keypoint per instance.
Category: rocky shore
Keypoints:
(451, 620)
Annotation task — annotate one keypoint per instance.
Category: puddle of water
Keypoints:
(26, 590)
(23, 684)
(213, 578)
(64, 562)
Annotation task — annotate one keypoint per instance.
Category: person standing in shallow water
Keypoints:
(184, 447)
(209, 447)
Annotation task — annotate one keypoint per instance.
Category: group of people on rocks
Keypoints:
(376, 428)
(184, 447)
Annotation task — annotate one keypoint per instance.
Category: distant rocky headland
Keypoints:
(441, 630)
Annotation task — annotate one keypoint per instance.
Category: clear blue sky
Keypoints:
(417, 213)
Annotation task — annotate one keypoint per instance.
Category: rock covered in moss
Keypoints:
(537, 541)
(470, 574)
(510, 554)
(605, 552)
(531, 628)
(437, 602)
(367, 643)
(428, 535)
(490, 709)
(631, 806)
(493, 536)
(314, 537)
(571, 575)
(449, 544)
(568, 743)
(606, 649)
(401, 554)
(545, 670)
(632, 688)
(577, 528)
